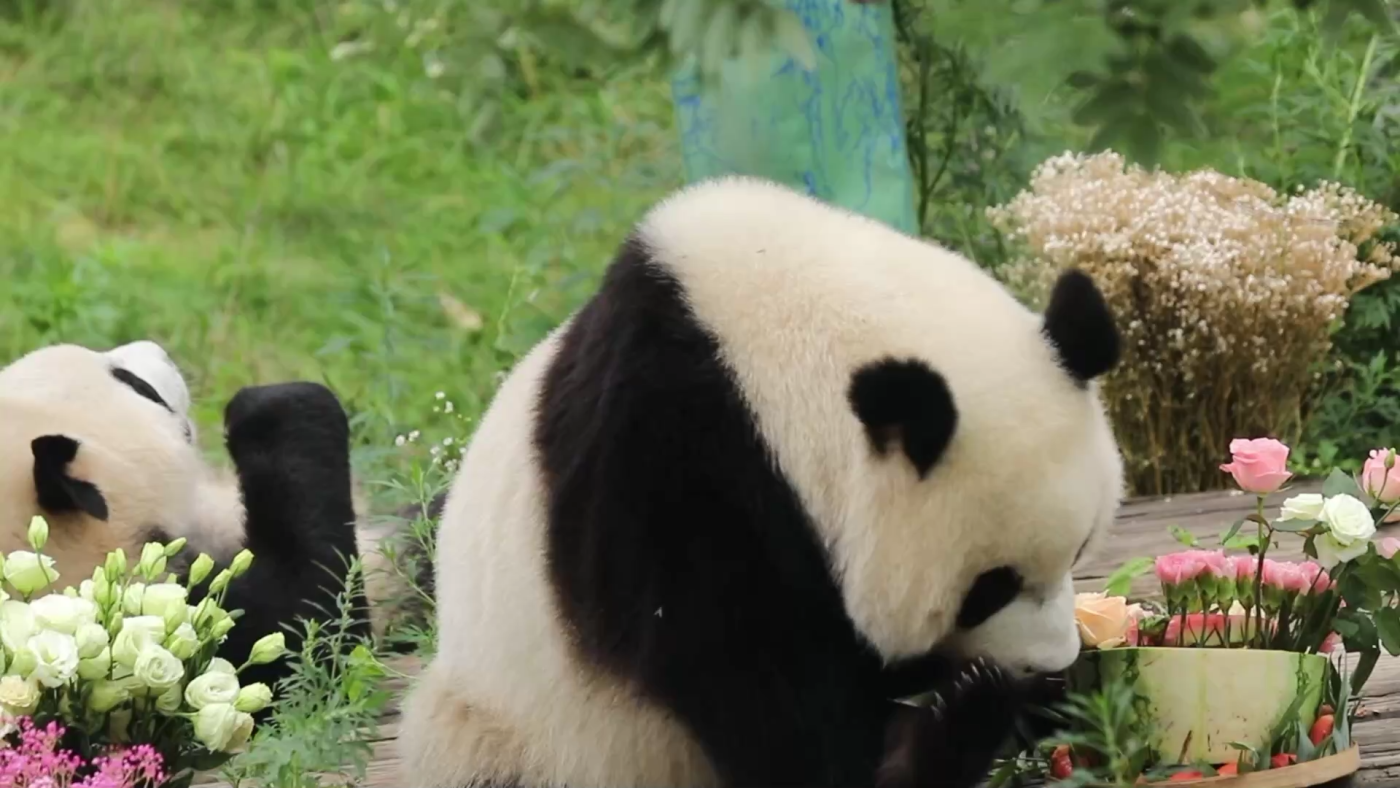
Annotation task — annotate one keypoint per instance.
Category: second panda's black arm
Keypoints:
(290, 446)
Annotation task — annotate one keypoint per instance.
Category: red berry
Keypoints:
(1321, 729)
(1229, 768)
(1181, 777)
(1283, 759)
(1060, 765)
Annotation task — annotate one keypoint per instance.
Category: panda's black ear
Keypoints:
(57, 491)
(905, 400)
(1080, 327)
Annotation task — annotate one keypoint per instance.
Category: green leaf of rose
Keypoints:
(1184, 536)
(1339, 482)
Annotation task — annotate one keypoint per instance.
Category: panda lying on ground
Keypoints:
(102, 446)
(785, 467)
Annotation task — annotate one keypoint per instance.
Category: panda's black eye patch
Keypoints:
(990, 592)
(136, 384)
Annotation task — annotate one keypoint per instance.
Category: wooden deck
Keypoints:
(1141, 530)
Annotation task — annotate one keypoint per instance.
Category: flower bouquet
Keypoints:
(115, 683)
(1241, 665)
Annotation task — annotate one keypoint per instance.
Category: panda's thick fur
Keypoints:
(101, 444)
(785, 467)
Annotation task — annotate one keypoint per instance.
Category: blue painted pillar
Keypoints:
(836, 131)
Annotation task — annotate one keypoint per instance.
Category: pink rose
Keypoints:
(1388, 547)
(1258, 466)
(1380, 482)
(1330, 643)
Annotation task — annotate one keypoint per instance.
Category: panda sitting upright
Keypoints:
(101, 445)
(787, 467)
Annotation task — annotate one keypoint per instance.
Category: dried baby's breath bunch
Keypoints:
(1225, 293)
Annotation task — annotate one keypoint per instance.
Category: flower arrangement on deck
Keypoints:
(1241, 662)
(115, 683)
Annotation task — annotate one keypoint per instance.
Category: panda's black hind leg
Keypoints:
(290, 445)
(952, 743)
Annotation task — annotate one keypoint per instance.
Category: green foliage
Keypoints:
(1108, 734)
(325, 719)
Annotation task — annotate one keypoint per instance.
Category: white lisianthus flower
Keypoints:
(91, 639)
(55, 658)
(28, 572)
(132, 597)
(216, 725)
(267, 649)
(160, 597)
(16, 624)
(97, 666)
(212, 688)
(18, 696)
(253, 698)
(183, 642)
(158, 668)
(136, 633)
(221, 665)
(107, 695)
(1307, 506)
(168, 702)
(59, 613)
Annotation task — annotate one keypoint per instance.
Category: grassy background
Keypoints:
(222, 179)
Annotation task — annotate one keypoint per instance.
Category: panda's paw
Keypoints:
(298, 417)
(952, 743)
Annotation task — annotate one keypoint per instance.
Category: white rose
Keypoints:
(56, 658)
(61, 613)
(160, 597)
(16, 624)
(18, 696)
(1348, 519)
(216, 725)
(183, 642)
(91, 639)
(1307, 506)
(28, 572)
(158, 668)
(96, 667)
(212, 688)
(1330, 552)
(221, 665)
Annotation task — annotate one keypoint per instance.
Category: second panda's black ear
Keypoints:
(905, 400)
(57, 491)
(1080, 326)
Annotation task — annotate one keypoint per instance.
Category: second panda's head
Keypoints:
(987, 477)
(100, 444)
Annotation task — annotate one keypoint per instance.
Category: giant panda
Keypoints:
(101, 444)
(785, 470)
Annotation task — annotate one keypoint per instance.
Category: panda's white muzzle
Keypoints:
(1029, 635)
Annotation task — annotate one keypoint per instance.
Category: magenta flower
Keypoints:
(37, 762)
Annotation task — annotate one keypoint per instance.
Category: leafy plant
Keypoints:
(326, 720)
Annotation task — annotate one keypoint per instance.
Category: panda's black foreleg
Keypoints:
(952, 743)
(290, 445)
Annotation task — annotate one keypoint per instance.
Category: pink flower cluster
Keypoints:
(1174, 569)
(38, 761)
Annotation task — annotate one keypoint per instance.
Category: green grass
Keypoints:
(208, 176)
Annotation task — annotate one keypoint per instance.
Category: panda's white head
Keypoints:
(948, 443)
(100, 444)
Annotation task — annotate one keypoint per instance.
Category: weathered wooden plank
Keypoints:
(1141, 529)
